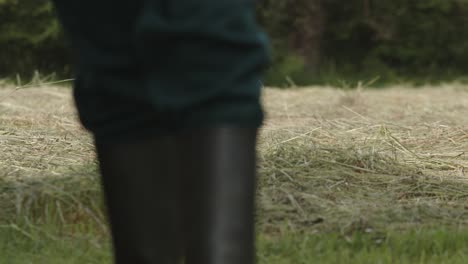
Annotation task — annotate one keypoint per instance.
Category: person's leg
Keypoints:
(138, 167)
(209, 75)
(190, 70)
(141, 184)
(219, 178)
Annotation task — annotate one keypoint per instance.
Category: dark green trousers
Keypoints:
(151, 67)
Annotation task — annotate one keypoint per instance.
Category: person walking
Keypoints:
(170, 91)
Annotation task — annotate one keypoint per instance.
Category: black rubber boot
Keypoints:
(142, 188)
(192, 191)
(219, 170)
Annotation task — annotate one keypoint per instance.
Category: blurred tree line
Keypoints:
(31, 39)
(313, 41)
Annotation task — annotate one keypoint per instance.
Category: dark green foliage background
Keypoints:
(31, 39)
(314, 41)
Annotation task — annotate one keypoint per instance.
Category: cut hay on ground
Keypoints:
(39, 132)
(364, 159)
(331, 160)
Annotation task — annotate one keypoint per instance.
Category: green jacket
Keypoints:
(157, 66)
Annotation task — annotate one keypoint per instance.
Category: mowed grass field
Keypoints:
(345, 176)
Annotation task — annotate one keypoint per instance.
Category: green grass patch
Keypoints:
(44, 245)
(416, 246)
